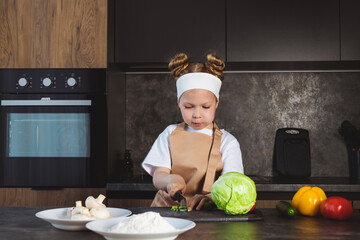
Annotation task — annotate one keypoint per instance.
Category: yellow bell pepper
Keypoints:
(307, 200)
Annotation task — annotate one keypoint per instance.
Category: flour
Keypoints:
(148, 222)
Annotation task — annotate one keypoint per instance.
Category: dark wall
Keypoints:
(252, 106)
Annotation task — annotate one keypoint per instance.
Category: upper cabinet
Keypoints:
(283, 30)
(154, 31)
(350, 30)
(53, 34)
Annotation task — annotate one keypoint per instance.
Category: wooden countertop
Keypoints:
(21, 223)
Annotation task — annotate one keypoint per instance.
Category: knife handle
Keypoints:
(178, 196)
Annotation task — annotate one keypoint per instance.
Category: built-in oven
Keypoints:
(53, 127)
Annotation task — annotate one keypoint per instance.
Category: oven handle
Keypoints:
(45, 102)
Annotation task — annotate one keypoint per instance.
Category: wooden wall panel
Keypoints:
(129, 203)
(15, 33)
(81, 30)
(44, 17)
(53, 34)
(356, 204)
(61, 197)
(266, 203)
(272, 203)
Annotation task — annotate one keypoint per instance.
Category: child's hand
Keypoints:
(198, 201)
(175, 184)
(171, 183)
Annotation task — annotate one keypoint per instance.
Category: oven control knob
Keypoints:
(71, 82)
(47, 82)
(23, 82)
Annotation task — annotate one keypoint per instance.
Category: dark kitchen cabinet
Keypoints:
(154, 31)
(350, 30)
(283, 30)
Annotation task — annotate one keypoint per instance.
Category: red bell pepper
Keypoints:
(337, 208)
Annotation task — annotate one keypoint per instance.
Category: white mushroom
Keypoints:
(69, 212)
(91, 202)
(81, 217)
(100, 212)
(80, 210)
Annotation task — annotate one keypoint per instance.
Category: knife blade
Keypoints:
(182, 201)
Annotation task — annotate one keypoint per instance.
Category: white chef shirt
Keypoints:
(159, 154)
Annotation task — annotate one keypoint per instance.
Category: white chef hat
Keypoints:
(198, 80)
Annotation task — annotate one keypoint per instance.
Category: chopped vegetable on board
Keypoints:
(179, 208)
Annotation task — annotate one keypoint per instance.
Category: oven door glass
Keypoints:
(53, 143)
(48, 135)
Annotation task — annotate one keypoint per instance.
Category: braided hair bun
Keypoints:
(178, 64)
(215, 65)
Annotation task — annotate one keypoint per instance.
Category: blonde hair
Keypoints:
(179, 65)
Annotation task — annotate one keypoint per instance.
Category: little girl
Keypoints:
(190, 156)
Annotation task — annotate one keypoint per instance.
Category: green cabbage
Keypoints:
(235, 193)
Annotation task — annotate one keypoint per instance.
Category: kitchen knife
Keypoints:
(182, 200)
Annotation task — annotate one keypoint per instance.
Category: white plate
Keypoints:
(102, 226)
(57, 217)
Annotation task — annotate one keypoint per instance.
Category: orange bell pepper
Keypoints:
(307, 200)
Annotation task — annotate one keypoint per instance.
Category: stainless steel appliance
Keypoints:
(53, 127)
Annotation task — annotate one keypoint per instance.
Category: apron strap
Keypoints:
(180, 127)
(214, 157)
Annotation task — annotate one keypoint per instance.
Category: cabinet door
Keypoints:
(283, 30)
(350, 29)
(154, 31)
(53, 33)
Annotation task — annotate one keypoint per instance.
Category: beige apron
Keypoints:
(197, 158)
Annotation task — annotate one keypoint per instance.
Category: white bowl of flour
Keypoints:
(148, 225)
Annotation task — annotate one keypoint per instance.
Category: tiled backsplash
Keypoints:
(252, 107)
